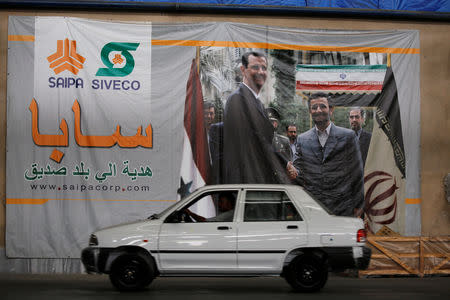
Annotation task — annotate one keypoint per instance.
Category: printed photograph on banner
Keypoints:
(307, 118)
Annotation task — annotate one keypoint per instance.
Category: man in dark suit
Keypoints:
(215, 138)
(248, 155)
(356, 119)
(209, 114)
(291, 132)
(328, 162)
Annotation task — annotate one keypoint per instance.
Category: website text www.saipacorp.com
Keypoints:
(91, 187)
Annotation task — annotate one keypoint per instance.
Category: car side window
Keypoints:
(269, 206)
(216, 206)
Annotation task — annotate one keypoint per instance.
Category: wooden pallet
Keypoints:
(397, 255)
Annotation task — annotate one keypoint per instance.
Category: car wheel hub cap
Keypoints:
(129, 274)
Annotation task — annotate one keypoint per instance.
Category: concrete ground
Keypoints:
(80, 286)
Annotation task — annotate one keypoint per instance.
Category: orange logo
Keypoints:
(66, 57)
(117, 59)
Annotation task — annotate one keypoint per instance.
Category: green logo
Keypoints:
(118, 59)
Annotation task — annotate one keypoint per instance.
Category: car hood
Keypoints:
(133, 233)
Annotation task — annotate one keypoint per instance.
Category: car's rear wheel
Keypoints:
(307, 273)
(131, 272)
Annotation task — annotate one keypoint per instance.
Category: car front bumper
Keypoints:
(94, 259)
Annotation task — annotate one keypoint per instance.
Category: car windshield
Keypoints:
(158, 215)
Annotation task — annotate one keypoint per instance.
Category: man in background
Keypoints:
(209, 114)
(280, 142)
(215, 141)
(356, 119)
(291, 132)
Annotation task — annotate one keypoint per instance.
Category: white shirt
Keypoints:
(323, 135)
(253, 92)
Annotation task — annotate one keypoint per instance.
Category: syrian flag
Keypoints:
(195, 162)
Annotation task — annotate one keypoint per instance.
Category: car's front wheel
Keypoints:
(131, 272)
(307, 273)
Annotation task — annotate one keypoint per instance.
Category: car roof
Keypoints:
(249, 186)
(241, 186)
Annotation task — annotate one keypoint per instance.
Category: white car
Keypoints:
(232, 230)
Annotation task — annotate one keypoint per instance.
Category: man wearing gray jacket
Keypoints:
(329, 163)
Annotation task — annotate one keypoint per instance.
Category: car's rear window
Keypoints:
(269, 206)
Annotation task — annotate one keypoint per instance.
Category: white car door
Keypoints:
(200, 239)
(271, 225)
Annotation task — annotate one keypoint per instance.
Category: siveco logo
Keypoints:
(66, 57)
(111, 69)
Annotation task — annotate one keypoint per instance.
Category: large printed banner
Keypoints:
(111, 122)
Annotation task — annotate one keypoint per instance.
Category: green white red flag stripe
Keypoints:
(348, 78)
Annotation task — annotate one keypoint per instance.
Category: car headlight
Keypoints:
(93, 241)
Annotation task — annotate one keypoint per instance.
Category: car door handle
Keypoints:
(292, 227)
(223, 228)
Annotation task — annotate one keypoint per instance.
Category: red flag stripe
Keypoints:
(337, 85)
(194, 123)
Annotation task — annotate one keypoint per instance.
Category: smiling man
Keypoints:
(329, 162)
(248, 153)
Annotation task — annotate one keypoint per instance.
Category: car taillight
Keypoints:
(361, 236)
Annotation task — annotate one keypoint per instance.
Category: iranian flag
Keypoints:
(384, 185)
(338, 79)
(384, 173)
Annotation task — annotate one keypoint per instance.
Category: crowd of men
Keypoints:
(327, 160)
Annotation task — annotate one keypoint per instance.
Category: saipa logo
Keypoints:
(117, 58)
(66, 57)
